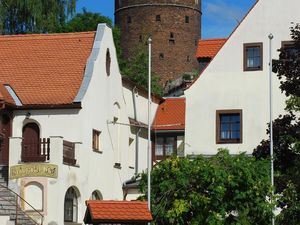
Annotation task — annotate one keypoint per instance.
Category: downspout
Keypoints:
(134, 93)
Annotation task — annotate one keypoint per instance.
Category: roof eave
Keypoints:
(75, 105)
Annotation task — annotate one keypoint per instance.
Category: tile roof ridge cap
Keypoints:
(115, 202)
(214, 39)
(46, 36)
(174, 98)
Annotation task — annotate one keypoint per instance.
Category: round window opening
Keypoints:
(108, 61)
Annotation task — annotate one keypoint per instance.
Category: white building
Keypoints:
(228, 105)
(69, 116)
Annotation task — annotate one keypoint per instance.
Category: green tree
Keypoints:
(136, 69)
(88, 21)
(34, 16)
(224, 189)
(286, 132)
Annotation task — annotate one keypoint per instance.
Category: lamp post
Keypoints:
(271, 122)
(149, 162)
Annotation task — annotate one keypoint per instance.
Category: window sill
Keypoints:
(118, 166)
(72, 223)
(73, 165)
(229, 142)
(97, 151)
(252, 70)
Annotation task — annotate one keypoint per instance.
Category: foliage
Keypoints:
(136, 68)
(34, 16)
(88, 21)
(224, 189)
(286, 131)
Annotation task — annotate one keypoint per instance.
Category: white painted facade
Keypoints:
(225, 85)
(136, 100)
(103, 100)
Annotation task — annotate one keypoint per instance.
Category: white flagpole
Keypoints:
(149, 166)
(271, 121)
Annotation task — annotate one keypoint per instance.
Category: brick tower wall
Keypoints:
(174, 26)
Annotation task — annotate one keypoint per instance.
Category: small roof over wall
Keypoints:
(117, 212)
(170, 115)
(208, 48)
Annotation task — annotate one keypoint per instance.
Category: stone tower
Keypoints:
(174, 26)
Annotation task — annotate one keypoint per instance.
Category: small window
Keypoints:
(108, 62)
(253, 54)
(172, 39)
(96, 195)
(70, 206)
(157, 18)
(188, 59)
(187, 19)
(130, 141)
(96, 140)
(165, 147)
(161, 56)
(129, 19)
(229, 126)
(140, 38)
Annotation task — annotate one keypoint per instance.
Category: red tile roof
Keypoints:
(5, 96)
(99, 211)
(170, 115)
(45, 69)
(208, 48)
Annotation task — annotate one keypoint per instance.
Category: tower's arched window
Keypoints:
(172, 38)
(187, 19)
(129, 20)
(71, 206)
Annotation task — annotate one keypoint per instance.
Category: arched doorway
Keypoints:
(31, 147)
(5, 133)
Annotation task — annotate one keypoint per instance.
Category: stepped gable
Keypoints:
(45, 69)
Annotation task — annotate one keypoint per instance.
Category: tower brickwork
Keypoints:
(174, 26)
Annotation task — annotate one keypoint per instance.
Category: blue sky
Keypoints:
(219, 17)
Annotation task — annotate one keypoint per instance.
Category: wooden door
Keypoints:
(5, 133)
(31, 150)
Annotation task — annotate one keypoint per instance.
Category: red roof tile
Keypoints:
(170, 115)
(45, 69)
(117, 212)
(209, 48)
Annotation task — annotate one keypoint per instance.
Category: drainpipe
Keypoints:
(137, 135)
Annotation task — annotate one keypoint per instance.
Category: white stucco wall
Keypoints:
(94, 170)
(224, 84)
(136, 106)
